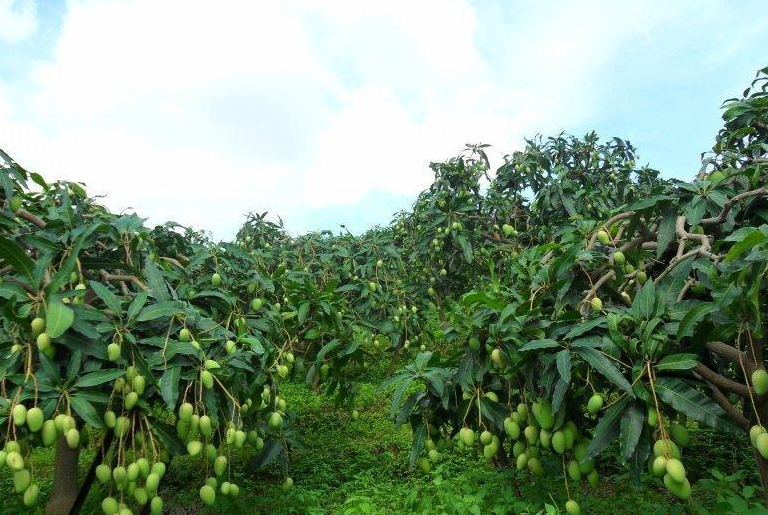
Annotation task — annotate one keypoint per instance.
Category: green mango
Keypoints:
(31, 495)
(109, 506)
(35, 419)
(220, 465)
(104, 473)
(572, 508)
(573, 470)
(208, 495)
(156, 506)
(49, 433)
(21, 480)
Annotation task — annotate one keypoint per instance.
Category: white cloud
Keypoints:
(198, 113)
(18, 20)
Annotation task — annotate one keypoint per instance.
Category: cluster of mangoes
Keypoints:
(138, 479)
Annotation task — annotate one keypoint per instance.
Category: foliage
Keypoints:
(569, 307)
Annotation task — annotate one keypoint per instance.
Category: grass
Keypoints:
(361, 468)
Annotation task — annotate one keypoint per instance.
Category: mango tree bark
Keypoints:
(64, 490)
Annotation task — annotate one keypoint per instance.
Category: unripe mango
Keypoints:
(103, 473)
(761, 444)
(156, 506)
(675, 470)
(73, 438)
(113, 352)
(207, 379)
(109, 506)
(595, 403)
(35, 419)
(19, 415)
(14, 460)
(512, 428)
(275, 421)
(220, 465)
(572, 508)
(37, 326)
(31, 495)
(21, 480)
(205, 426)
(208, 495)
(467, 436)
(573, 470)
(130, 400)
(760, 381)
(558, 442)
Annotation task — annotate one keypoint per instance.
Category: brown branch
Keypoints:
(26, 215)
(729, 408)
(607, 226)
(106, 276)
(172, 261)
(732, 354)
(732, 202)
(721, 381)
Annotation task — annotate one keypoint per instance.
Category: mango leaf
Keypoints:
(58, 318)
(692, 317)
(631, 428)
(678, 362)
(169, 386)
(167, 436)
(606, 368)
(271, 450)
(160, 310)
(564, 365)
(607, 429)
(539, 344)
(691, 403)
(109, 298)
(419, 437)
(85, 410)
(303, 312)
(644, 305)
(98, 377)
(666, 232)
(17, 258)
(155, 281)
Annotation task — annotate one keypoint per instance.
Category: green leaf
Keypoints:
(17, 258)
(750, 240)
(109, 298)
(692, 317)
(631, 428)
(303, 312)
(98, 377)
(169, 386)
(690, 402)
(605, 367)
(466, 247)
(167, 436)
(607, 429)
(58, 318)
(539, 344)
(644, 305)
(564, 365)
(666, 232)
(419, 437)
(155, 281)
(160, 310)
(85, 410)
(678, 362)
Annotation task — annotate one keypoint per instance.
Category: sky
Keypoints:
(329, 112)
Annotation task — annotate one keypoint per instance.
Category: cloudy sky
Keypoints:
(329, 112)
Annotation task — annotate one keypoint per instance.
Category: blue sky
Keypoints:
(330, 112)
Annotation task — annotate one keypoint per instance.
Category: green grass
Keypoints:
(361, 467)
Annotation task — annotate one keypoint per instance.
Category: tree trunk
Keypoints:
(106, 443)
(64, 490)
